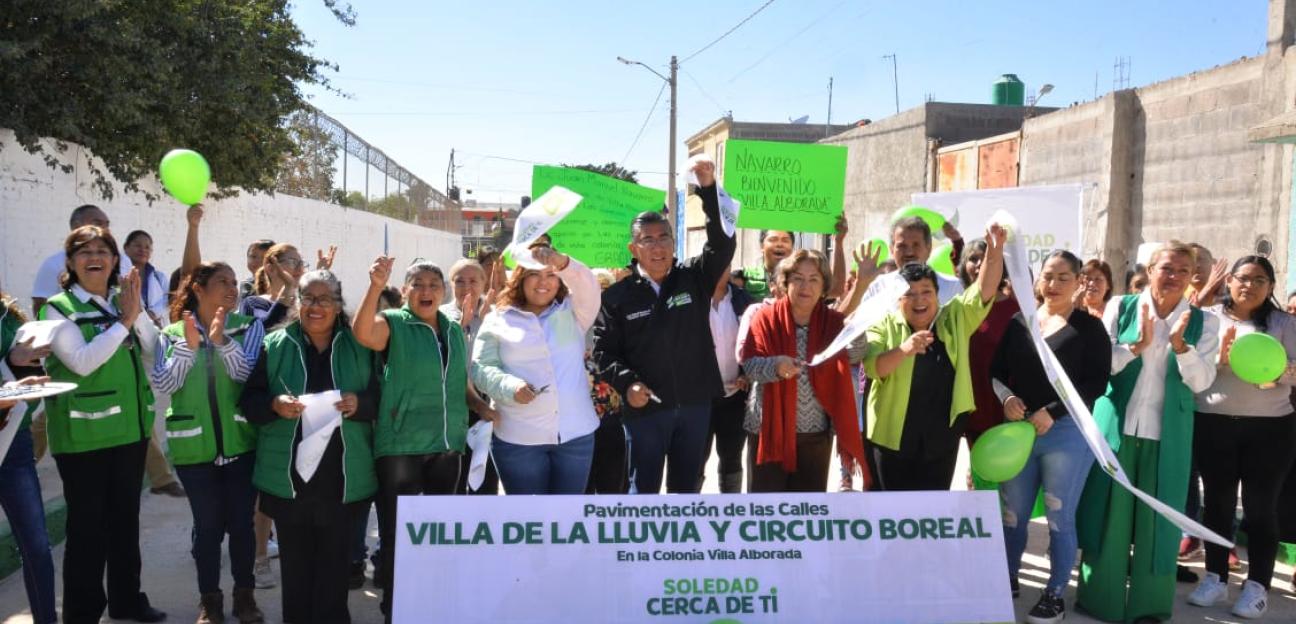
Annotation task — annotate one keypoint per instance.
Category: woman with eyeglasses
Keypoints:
(314, 504)
(275, 287)
(421, 431)
(1245, 434)
(1096, 287)
(99, 432)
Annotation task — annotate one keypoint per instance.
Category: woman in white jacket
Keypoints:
(529, 357)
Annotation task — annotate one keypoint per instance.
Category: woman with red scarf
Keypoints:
(790, 445)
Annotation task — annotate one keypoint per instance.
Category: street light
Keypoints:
(670, 179)
(1044, 90)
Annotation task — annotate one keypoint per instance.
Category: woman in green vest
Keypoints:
(99, 433)
(209, 354)
(313, 482)
(920, 364)
(420, 433)
(1163, 350)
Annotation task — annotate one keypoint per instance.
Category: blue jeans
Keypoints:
(544, 468)
(1059, 462)
(20, 497)
(222, 500)
(676, 433)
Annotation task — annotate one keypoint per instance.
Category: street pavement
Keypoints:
(169, 576)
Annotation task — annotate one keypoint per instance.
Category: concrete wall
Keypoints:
(886, 162)
(35, 202)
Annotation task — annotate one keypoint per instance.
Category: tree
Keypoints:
(309, 172)
(610, 169)
(131, 80)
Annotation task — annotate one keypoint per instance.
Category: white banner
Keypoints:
(536, 219)
(879, 300)
(1050, 217)
(879, 557)
(1015, 263)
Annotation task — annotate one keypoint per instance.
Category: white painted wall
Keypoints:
(35, 202)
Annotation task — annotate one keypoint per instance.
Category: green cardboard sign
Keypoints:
(597, 231)
(797, 187)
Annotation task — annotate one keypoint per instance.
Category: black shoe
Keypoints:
(1016, 588)
(1184, 575)
(1050, 609)
(357, 575)
(144, 612)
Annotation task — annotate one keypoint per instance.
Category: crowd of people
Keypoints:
(615, 382)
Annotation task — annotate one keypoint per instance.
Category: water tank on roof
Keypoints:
(1008, 91)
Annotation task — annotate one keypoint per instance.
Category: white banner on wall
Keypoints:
(1050, 216)
(879, 557)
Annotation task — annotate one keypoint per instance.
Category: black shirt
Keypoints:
(318, 499)
(1082, 346)
(927, 431)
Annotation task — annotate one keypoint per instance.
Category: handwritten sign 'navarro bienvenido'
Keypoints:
(786, 186)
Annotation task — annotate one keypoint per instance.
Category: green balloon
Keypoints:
(1000, 453)
(1257, 358)
(185, 175)
(934, 219)
(940, 259)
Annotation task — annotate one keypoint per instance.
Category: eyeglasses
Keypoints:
(319, 302)
(289, 262)
(1258, 281)
(663, 241)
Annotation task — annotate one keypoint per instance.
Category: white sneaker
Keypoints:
(1209, 592)
(272, 548)
(1253, 602)
(264, 574)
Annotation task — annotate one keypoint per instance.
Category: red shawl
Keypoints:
(773, 333)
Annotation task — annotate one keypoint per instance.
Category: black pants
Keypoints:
(673, 439)
(814, 452)
(314, 567)
(902, 472)
(728, 437)
(222, 499)
(102, 490)
(608, 468)
(409, 475)
(1257, 452)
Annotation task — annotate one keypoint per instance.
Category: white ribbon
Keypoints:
(1019, 272)
(879, 300)
(729, 207)
(537, 219)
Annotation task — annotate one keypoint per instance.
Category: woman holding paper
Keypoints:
(99, 433)
(209, 354)
(421, 431)
(1245, 434)
(790, 447)
(1060, 459)
(313, 395)
(530, 358)
(20, 493)
(918, 359)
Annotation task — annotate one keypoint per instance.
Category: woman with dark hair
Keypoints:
(313, 512)
(1060, 459)
(275, 287)
(153, 283)
(99, 433)
(209, 354)
(918, 359)
(984, 343)
(530, 359)
(421, 431)
(1096, 287)
(1245, 434)
(789, 447)
(20, 491)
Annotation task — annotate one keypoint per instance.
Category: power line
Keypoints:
(723, 110)
(475, 113)
(644, 126)
(780, 46)
(728, 32)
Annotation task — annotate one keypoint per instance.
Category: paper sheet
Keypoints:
(41, 331)
(479, 440)
(318, 421)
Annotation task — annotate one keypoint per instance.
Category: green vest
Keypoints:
(194, 435)
(111, 406)
(1175, 448)
(756, 282)
(286, 371)
(424, 407)
(9, 325)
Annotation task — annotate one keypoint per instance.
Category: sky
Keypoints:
(510, 83)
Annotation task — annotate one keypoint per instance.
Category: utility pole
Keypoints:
(671, 199)
(895, 79)
(828, 123)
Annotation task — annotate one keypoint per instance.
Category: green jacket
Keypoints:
(113, 405)
(888, 399)
(286, 369)
(424, 406)
(1175, 449)
(756, 282)
(194, 435)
